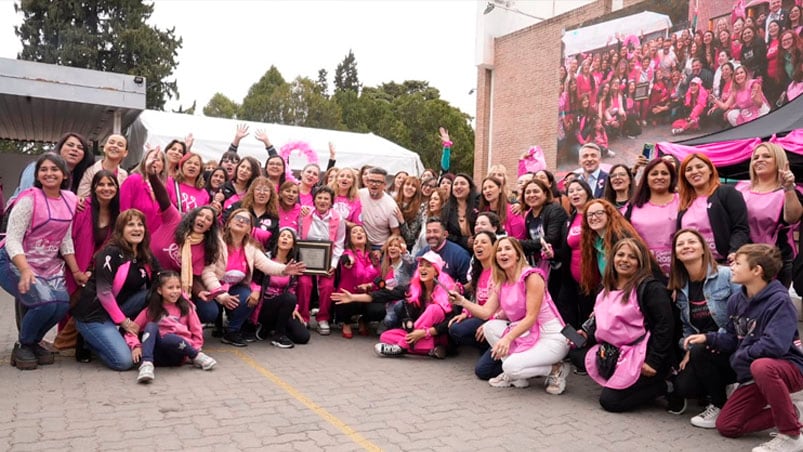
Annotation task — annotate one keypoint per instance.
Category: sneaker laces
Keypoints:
(710, 411)
(778, 442)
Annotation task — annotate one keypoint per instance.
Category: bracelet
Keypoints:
(788, 189)
(447, 144)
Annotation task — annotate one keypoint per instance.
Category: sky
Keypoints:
(229, 45)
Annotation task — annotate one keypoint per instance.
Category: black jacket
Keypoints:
(727, 213)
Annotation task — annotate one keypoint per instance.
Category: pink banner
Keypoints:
(726, 153)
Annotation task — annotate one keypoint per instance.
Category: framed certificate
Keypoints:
(315, 255)
(642, 91)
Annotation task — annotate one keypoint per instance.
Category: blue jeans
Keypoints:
(39, 320)
(238, 315)
(463, 333)
(167, 350)
(105, 337)
(487, 367)
(207, 310)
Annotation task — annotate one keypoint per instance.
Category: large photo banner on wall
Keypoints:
(668, 70)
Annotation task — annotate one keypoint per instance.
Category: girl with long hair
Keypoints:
(493, 199)
(171, 331)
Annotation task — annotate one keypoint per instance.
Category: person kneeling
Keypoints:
(761, 334)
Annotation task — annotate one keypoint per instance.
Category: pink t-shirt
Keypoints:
(514, 224)
(306, 199)
(696, 217)
(191, 197)
(348, 209)
(236, 266)
(573, 240)
(165, 249)
(289, 218)
(656, 224)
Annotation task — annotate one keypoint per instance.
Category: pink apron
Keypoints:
(619, 324)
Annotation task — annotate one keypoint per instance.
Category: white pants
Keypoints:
(537, 361)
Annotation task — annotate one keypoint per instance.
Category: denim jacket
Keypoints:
(717, 289)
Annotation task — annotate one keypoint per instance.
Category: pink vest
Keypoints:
(619, 324)
(764, 212)
(513, 301)
(657, 224)
(696, 217)
(306, 222)
(50, 221)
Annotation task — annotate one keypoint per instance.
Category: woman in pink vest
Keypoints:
(654, 210)
(773, 205)
(187, 189)
(356, 269)
(632, 317)
(37, 245)
(321, 224)
(289, 209)
(229, 280)
(525, 341)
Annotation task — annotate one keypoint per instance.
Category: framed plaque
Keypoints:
(316, 255)
(642, 91)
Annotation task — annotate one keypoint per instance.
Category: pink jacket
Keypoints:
(187, 327)
(698, 104)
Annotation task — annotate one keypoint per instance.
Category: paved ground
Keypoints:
(332, 394)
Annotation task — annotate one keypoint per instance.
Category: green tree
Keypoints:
(268, 100)
(346, 78)
(105, 35)
(220, 106)
(322, 86)
(310, 108)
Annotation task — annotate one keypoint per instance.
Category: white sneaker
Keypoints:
(555, 383)
(504, 381)
(204, 361)
(781, 443)
(323, 328)
(706, 419)
(145, 372)
(388, 349)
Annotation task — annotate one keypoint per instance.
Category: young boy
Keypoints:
(761, 331)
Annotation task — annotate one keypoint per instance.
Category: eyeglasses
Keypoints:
(242, 219)
(230, 160)
(375, 182)
(262, 190)
(597, 214)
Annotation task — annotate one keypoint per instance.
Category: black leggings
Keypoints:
(277, 315)
(706, 374)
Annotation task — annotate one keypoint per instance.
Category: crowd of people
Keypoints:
(656, 280)
(735, 72)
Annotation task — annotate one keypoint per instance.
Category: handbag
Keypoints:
(607, 357)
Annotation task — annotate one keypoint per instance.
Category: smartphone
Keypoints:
(571, 334)
(648, 151)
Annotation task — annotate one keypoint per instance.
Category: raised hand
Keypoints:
(242, 132)
(260, 135)
(444, 134)
(332, 152)
(294, 268)
(188, 140)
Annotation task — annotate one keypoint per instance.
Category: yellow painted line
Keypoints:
(304, 400)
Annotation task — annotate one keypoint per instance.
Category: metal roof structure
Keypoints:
(39, 102)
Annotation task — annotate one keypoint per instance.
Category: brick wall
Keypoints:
(519, 107)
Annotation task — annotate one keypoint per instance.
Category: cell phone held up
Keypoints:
(571, 334)
(648, 151)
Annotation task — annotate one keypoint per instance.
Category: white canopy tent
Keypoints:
(602, 34)
(213, 136)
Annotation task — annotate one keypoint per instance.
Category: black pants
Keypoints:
(643, 391)
(706, 374)
(277, 315)
(371, 312)
(574, 306)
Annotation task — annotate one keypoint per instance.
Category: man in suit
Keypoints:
(590, 172)
(776, 13)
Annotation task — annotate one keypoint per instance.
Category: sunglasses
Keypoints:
(242, 219)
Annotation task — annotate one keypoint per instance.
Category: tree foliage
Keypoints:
(105, 35)
(407, 113)
(346, 78)
(220, 106)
